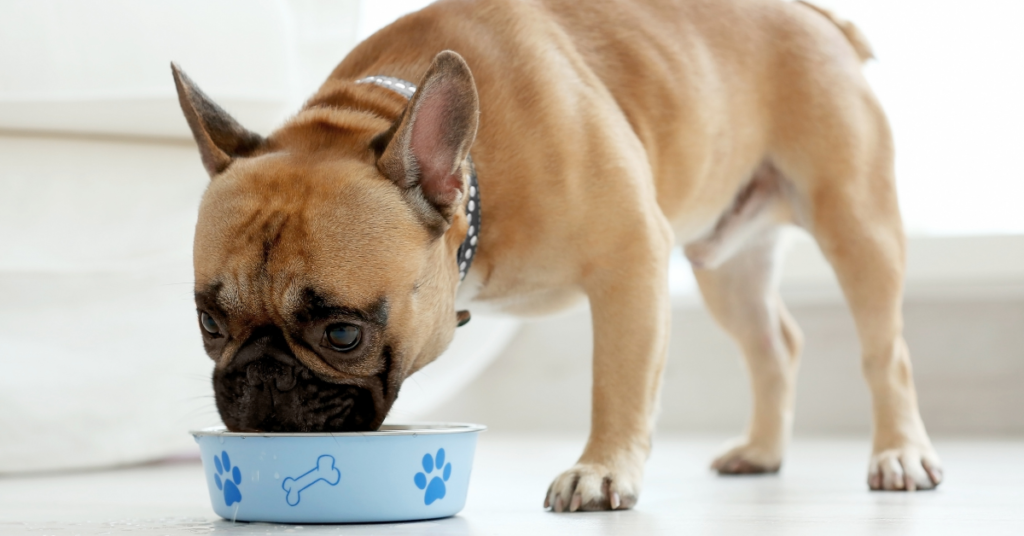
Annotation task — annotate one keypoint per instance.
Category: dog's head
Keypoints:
(325, 254)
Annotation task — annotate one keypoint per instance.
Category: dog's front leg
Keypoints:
(630, 312)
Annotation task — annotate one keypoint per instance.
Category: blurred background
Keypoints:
(100, 360)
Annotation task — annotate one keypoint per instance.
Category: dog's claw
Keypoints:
(591, 487)
(575, 503)
(875, 480)
(904, 469)
(934, 473)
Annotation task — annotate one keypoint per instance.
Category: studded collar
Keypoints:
(467, 250)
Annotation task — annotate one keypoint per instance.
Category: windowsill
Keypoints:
(938, 268)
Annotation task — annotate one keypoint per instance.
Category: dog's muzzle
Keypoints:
(266, 389)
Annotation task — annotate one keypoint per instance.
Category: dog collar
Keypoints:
(467, 250)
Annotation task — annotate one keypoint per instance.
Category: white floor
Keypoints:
(820, 491)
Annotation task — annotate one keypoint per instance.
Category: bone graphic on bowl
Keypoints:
(324, 470)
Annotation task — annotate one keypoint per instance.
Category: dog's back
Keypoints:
(706, 85)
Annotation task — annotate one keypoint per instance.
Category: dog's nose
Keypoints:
(266, 389)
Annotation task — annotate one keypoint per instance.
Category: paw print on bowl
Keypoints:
(435, 489)
(232, 478)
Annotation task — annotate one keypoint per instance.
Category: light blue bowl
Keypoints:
(399, 473)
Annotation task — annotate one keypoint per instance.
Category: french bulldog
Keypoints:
(329, 255)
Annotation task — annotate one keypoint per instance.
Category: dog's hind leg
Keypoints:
(741, 292)
(846, 179)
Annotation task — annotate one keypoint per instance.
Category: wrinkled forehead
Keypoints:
(275, 235)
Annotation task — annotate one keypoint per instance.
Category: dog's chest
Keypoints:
(533, 301)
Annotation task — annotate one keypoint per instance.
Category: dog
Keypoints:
(563, 148)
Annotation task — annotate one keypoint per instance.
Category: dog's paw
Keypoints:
(741, 457)
(592, 487)
(904, 469)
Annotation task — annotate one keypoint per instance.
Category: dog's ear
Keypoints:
(220, 138)
(425, 150)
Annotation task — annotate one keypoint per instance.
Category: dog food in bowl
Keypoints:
(399, 473)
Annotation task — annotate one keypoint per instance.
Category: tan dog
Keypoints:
(604, 133)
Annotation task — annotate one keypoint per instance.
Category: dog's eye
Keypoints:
(342, 337)
(209, 324)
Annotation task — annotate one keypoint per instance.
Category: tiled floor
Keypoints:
(820, 491)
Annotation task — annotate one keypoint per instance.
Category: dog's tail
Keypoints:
(852, 33)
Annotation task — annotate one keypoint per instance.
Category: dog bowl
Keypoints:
(399, 473)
